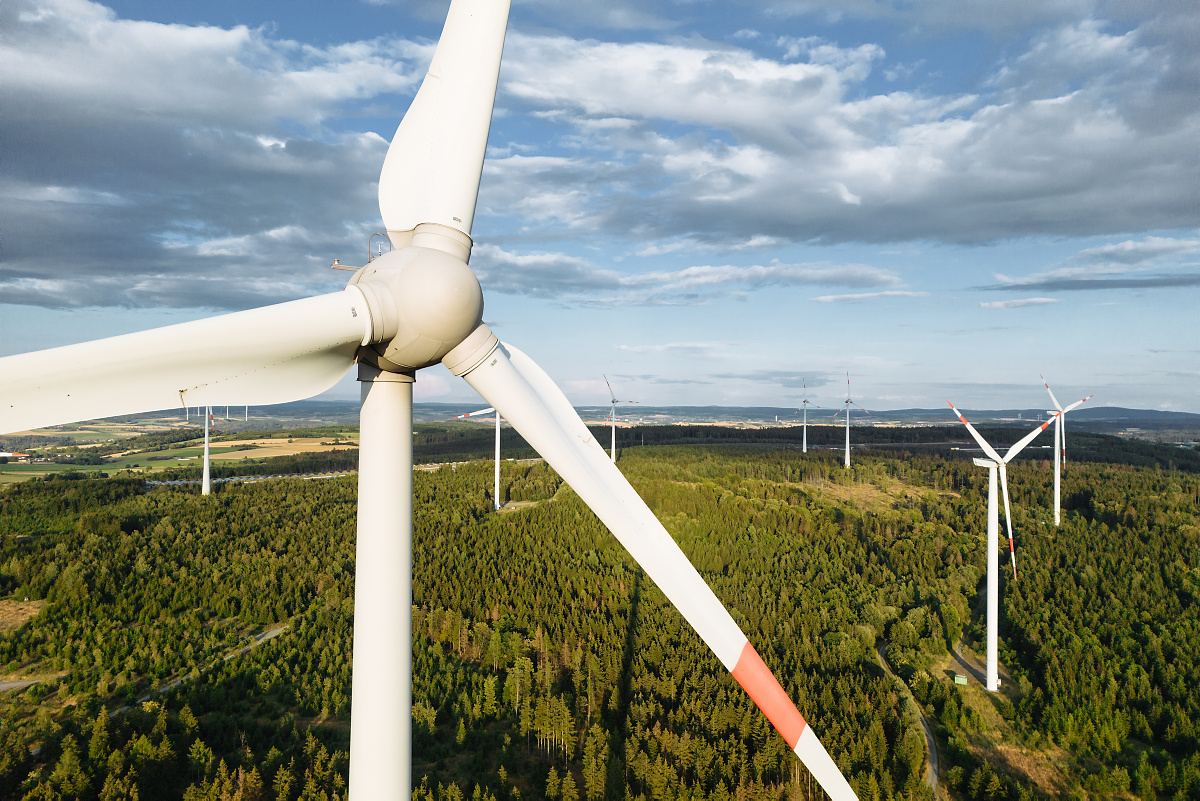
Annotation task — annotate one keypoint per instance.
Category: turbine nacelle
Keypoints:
(423, 299)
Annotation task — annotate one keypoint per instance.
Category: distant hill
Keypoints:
(1099, 419)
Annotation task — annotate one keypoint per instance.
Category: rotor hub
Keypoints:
(423, 302)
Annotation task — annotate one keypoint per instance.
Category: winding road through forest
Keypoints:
(931, 775)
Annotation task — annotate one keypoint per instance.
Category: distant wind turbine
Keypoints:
(995, 463)
(613, 415)
(1060, 442)
(496, 497)
(846, 408)
(206, 482)
(804, 407)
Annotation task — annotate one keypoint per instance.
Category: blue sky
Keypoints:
(712, 203)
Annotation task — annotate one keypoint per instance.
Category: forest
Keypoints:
(547, 667)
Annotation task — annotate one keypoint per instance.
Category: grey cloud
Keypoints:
(1084, 284)
(573, 280)
(659, 379)
(688, 347)
(783, 378)
(1136, 252)
(153, 165)
(1105, 145)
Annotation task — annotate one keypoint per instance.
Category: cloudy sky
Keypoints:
(711, 202)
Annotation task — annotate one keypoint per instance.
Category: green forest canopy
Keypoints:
(546, 666)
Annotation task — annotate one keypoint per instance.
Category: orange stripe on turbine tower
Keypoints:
(763, 688)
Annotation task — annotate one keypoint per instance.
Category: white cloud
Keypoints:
(896, 293)
(1016, 304)
(202, 141)
(1121, 265)
(1082, 133)
(1134, 252)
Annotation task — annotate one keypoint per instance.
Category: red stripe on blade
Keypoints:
(762, 686)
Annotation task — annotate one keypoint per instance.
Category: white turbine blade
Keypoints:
(274, 354)
(1057, 405)
(431, 173)
(1077, 404)
(1025, 440)
(1012, 549)
(988, 449)
(610, 389)
(472, 414)
(537, 409)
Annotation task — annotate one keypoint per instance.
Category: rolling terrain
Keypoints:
(548, 667)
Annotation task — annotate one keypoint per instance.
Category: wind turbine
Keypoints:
(995, 463)
(846, 408)
(613, 416)
(405, 310)
(1060, 441)
(206, 481)
(496, 495)
(804, 406)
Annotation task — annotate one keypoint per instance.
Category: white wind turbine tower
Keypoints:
(995, 462)
(846, 408)
(1060, 441)
(206, 481)
(613, 416)
(804, 407)
(407, 309)
(496, 497)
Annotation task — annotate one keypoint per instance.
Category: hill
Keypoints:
(542, 653)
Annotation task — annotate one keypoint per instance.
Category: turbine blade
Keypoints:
(431, 173)
(537, 409)
(1077, 404)
(610, 389)
(274, 354)
(1012, 549)
(1028, 438)
(988, 449)
(1057, 405)
(472, 414)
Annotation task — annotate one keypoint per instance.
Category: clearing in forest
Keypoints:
(14, 612)
(991, 735)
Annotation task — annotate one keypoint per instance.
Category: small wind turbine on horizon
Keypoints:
(804, 407)
(496, 497)
(997, 463)
(846, 408)
(613, 416)
(1060, 442)
(408, 309)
